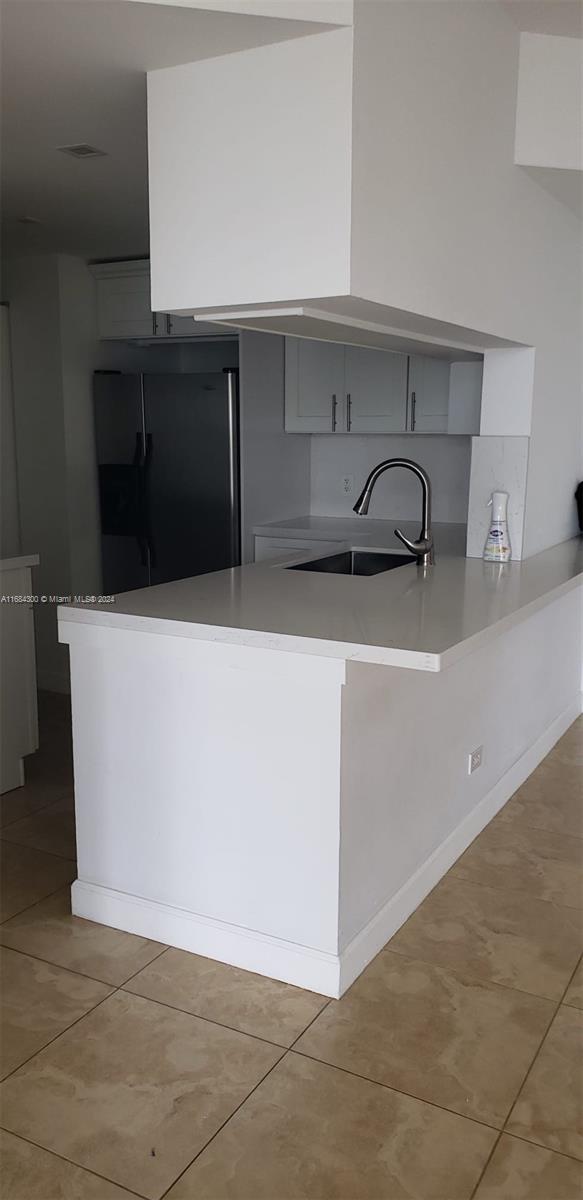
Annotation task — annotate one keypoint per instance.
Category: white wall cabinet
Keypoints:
(332, 388)
(124, 307)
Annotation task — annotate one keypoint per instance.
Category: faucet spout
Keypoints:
(422, 547)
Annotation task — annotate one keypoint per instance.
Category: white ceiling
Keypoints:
(74, 71)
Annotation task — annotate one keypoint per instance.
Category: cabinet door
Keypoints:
(123, 306)
(314, 386)
(428, 394)
(267, 547)
(376, 391)
(465, 397)
(187, 327)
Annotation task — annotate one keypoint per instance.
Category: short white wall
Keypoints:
(408, 806)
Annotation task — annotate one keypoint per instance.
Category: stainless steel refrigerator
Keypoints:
(168, 466)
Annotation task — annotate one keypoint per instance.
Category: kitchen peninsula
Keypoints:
(271, 764)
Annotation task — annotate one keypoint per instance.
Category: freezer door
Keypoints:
(192, 473)
(120, 442)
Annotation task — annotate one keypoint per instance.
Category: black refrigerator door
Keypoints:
(192, 473)
(121, 446)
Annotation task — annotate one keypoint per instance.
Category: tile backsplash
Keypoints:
(397, 494)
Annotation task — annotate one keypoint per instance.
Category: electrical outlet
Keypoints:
(348, 484)
(475, 759)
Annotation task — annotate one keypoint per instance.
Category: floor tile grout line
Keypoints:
(504, 1130)
(27, 846)
(210, 1020)
(37, 811)
(225, 1122)
(71, 1163)
(73, 970)
(520, 1137)
(41, 1049)
(486, 1164)
(541, 1044)
(465, 977)
(454, 874)
(499, 824)
(117, 990)
(399, 1091)
(469, 978)
(451, 873)
(35, 902)
(310, 1023)
(514, 824)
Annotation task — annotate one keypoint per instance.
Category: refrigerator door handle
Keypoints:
(145, 503)
(233, 408)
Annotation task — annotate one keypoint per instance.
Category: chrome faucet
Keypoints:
(423, 546)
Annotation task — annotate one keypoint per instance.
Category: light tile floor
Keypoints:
(451, 1070)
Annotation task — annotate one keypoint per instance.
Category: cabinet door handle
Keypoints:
(168, 325)
(154, 323)
(348, 412)
(413, 407)
(334, 407)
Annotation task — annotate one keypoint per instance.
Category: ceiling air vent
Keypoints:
(83, 150)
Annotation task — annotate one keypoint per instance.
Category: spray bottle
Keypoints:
(498, 548)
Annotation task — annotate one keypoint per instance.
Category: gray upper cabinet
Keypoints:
(124, 307)
(375, 383)
(428, 394)
(314, 386)
(123, 301)
(333, 388)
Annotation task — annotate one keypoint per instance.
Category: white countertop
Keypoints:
(19, 561)
(402, 617)
(364, 531)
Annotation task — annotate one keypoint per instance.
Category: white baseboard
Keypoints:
(366, 944)
(301, 965)
(262, 953)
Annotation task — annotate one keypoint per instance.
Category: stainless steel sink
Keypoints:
(355, 562)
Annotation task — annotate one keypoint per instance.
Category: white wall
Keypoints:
(514, 697)
(9, 509)
(31, 287)
(275, 466)
(274, 145)
(549, 105)
(55, 352)
(397, 495)
(445, 224)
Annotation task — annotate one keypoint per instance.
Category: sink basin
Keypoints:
(355, 562)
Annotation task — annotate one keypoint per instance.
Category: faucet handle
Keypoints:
(422, 547)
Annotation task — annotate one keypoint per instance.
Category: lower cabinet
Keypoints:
(273, 547)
